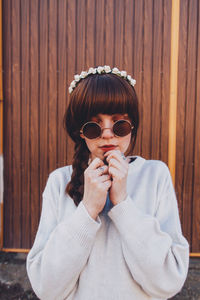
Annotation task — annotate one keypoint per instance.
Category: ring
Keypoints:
(123, 156)
(101, 169)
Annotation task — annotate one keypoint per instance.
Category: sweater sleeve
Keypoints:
(154, 248)
(60, 250)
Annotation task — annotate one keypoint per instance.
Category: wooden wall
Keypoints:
(44, 44)
(188, 122)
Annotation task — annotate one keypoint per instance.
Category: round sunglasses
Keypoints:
(93, 130)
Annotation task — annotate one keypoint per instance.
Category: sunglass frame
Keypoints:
(92, 122)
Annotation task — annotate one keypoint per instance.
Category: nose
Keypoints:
(107, 131)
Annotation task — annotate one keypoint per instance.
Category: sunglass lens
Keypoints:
(91, 130)
(122, 128)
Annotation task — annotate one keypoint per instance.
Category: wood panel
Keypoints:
(62, 48)
(45, 44)
(109, 32)
(7, 137)
(25, 126)
(138, 62)
(188, 126)
(147, 81)
(196, 191)
(52, 84)
(34, 121)
(71, 67)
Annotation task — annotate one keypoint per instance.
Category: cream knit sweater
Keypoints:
(134, 252)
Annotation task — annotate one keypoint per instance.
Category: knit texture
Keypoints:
(133, 251)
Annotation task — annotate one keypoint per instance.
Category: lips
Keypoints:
(108, 147)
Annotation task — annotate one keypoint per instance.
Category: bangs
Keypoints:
(104, 94)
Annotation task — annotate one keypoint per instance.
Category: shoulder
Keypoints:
(142, 163)
(153, 168)
(156, 165)
(58, 179)
(154, 175)
(61, 173)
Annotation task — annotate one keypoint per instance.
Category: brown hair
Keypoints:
(95, 94)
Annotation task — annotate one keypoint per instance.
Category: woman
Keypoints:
(109, 226)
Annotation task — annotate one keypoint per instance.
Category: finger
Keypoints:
(117, 162)
(96, 173)
(115, 173)
(118, 166)
(112, 152)
(104, 178)
(97, 162)
(107, 184)
(102, 170)
(117, 155)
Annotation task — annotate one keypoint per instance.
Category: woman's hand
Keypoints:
(97, 181)
(118, 169)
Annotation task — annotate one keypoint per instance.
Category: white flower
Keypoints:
(133, 82)
(73, 84)
(115, 71)
(100, 69)
(107, 69)
(83, 74)
(123, 73)
(70, 89)
(92, 71)
(77, 78)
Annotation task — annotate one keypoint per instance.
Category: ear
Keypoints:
(82, 136)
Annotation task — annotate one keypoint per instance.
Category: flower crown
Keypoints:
(100, 70)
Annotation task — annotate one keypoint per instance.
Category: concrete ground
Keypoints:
(14, 284)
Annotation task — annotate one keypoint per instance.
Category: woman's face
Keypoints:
(107, 141)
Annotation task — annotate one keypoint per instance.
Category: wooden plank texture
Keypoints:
(109, 33)
(52, 84)
(43, 93)
(45, 44)
(196, 193)
(99, 33)
(119, 34)
(71, 61)
(156, 73)
(182, 66)
(90, 34)
(16, 118)
(35, 195)
(146, 106)
(61, 80)
(188, 126)
(8, 142)
(165, 84)
(138, 54)
(25, 126)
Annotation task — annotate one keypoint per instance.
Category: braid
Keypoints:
(75, 187)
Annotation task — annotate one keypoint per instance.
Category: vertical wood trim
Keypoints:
(173, 86)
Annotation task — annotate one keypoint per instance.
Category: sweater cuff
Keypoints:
(82, 226)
